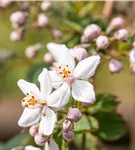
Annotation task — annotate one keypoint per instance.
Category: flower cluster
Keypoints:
(67, 78)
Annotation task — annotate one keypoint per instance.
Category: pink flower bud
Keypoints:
(48, 58)
(115, 66)
(115, 24)
(16, 36)
(43, 20)
(74, 114)
(102, 42)
(57, 34)
(40, 139)
(17, 18)
(132, 56)
(88, 104)
(32, 50)
(33, 130)
(45, 5)
(121, 34)
(91, 31)
(68, 136)
(133, 44)
(132, 68)
(5, 3)
(67, 125)
(29, 147)
(79, 53)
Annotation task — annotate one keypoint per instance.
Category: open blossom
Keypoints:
(38, 104)
(71, 77)
(50, 145)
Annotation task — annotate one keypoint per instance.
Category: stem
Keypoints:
(83, 142)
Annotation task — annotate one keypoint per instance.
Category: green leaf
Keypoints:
(57, 135)
(35, 70)
(86, 123)
(18, 140)
(104, 102)
(111, 126)
(90, 144)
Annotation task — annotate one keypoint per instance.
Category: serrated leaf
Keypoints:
(86, 123)
(104, 102)
(111, 126)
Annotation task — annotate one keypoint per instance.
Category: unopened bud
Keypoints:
(16, 36)
(43, 20)
(67, 125)
(29, 147)
(5, 3)
(68, 136)
(45, 5)
(57, 34)
(121, 34)
(133, 44)
(79, 53)
(115, 66)
(132, 56)
(40, 139)
(33, 50)
(33, 130)
(115, 24)
(132, 68)
(74, 114)
(91, 31)
(102, 42)
(48, 58)
(17, 18)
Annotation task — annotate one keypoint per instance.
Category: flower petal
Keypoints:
(61, 54)
(47, 122)
(45, 83)
(29, 147)
(87, 67)
(27, 87)
(30, 117)
(60, 97)
(83, 91)
(51, 145)
(56, 79)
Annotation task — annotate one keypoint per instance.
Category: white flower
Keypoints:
(29, 147)
(37, 103)
(51, 145)
(70, 76)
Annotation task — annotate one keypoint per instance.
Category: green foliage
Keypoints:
(111, 126)
(35, 70)
(104, 102)
(86, 123)
(18, 140)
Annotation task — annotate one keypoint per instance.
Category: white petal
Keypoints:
(29, 147)
(87, 67)
(45, 83)
(56, 79)
(60, 97)
(83, 91)
(51, 145)
(27, 87)
(61, 54)
(30, 117)
(47, 122)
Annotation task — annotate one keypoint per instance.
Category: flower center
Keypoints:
(31, 102)
(64, 71)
